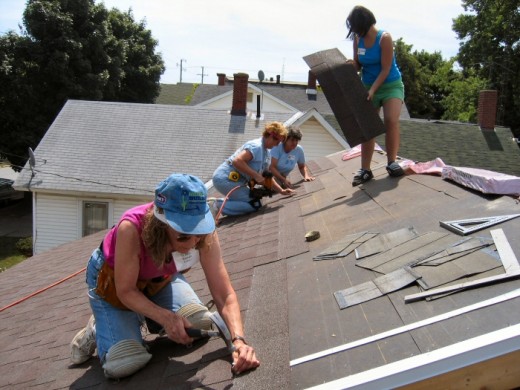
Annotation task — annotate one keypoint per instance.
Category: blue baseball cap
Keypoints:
(183, 199)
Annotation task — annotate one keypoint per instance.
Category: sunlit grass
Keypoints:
(9, 255)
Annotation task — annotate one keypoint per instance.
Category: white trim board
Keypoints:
(431, 364)
(509, 260)
(392, 332)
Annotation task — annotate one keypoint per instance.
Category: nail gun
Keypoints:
(257, 191)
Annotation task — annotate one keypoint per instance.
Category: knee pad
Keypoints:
(197, 315)
(125, 358)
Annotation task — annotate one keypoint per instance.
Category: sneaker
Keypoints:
(394, 169)
(83, 345)
(362, 176)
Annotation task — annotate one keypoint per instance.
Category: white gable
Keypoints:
(268, 102)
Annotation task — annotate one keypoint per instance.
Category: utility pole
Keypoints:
(180, 78)
(202, 74)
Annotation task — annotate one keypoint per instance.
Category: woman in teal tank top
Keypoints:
(374, 56)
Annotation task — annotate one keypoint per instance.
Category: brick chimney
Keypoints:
(487, 109)
(239, 93)
(221, 79)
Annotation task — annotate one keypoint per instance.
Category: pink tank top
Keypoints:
(147, 269)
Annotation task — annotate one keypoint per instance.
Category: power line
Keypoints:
(82, 180)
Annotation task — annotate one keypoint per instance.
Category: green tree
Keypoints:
(459, 92)
(423, 98)
(21, 120)
(490, 45)
(70, 50)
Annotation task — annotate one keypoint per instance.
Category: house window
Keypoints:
(250, 97)
(95, 217)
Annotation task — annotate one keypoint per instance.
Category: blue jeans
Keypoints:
(113, 324)
(238, 202)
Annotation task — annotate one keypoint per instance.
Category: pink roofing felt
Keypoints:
(487, 182)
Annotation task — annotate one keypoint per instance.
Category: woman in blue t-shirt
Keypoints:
(250, 161)
(286, 155)
(374, 56)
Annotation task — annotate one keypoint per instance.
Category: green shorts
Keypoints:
(394, 89)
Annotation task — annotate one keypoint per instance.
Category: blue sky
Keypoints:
(229, 36)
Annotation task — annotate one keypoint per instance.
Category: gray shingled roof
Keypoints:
(178, 94)
(459, 144)
(126, 148)
(286, 298)
(293, 94)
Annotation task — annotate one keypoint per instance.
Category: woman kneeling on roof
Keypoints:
(136, 274)
(250, 162)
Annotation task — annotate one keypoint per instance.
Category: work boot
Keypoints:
(362, 176)
(83, 345)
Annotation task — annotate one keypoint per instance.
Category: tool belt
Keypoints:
(106, 286)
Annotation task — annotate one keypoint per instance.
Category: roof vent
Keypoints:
(311, 84)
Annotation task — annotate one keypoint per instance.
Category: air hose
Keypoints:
(225, 200)
(42, 290)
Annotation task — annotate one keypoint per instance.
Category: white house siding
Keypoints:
(316, 141)
(58, 219)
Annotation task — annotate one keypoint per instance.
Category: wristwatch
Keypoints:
(238, 337)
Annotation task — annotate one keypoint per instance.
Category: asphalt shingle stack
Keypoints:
(346, 96)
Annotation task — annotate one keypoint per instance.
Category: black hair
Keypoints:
(359, 21)
(294, 132)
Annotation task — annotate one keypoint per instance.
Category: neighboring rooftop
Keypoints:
(456, 143)
(286, 297)
(460, 145)
(131, 147)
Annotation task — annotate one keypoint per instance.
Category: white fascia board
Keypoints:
(431, 364)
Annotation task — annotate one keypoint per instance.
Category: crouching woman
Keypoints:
(136, 274)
